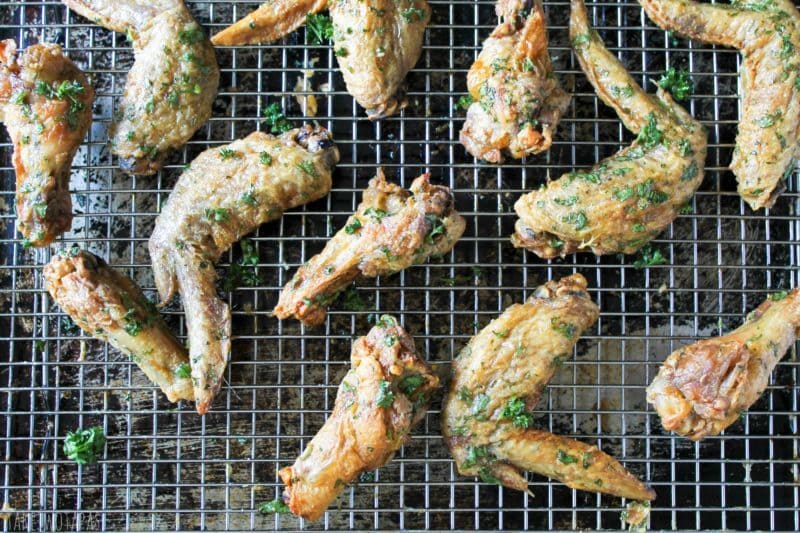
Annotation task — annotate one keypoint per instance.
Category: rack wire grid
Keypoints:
(166, 468)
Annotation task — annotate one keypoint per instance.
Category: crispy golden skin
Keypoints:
(108, 305)
(517, 100)
(383, 396)
(500, 375)
(376, 42)
(46, 105)
(624, 201)
(391, 230)
(226, 193)
(701, 389)
(768, 35)
(171, 86)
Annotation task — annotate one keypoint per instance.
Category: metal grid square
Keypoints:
(167, 469)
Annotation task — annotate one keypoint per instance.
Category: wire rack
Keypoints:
(165, 468)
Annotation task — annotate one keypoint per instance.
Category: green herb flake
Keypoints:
(464, 102)
(191, 35)
(565, 458)
(649, 256)
(276, 506)
(227, 153)
(514, 410)
(353, 226)
(564, 328)
(385, 396)
(319, 28)
(217, 214)
(577, 218)
(183, 371)
(778, 296)
(689, 172)
(413, 14)
(465, 395)
(84, 445)
(275, 119)
(265, 158)
(678, 82)
(437, 227)
(650, 136)
(410, 383)
(307, 166)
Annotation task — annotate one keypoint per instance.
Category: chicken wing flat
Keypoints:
(171, 86)
(46, 105)
(768, 34)
(701, 389)
(383, 396)
(391, 230)
(499, 377)
(376, 42)
(517, 101)
(225, 194)
(109, 306)
(624, 201)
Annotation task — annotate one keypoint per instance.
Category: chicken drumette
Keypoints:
(108, 305)
(624, 201)
(383, 396)
(226, 193)
(376, 42)
(171, 86)
(703, 388)
(46, 104)
(768, 34)
(517, 101)
(391, 230)
(498, 378)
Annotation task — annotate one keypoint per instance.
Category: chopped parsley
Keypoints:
(565, 328)
(767, 121)
(353, 226)
(319, 28)
(217, 214)
(84, 445)
(191, 35)
(565, 458)
(276, 506)
(464, 394)
(243, 273)
(341, 52)
(265, 158)
(375, 214)
(650, 136)
(437, 227)
(477, 454)
(307, 166)
(227, 153)
(66, 90)
(689, 172)
(183, 371)
(132, 325)
(410, 383)
(577, 218)
(777, 296)
(678, 82)
(275, 119)
(514, 410)
(385, 395)
(464, 102)
(413, 14)
(649, 256)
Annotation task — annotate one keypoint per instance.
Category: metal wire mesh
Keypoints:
(166, 468)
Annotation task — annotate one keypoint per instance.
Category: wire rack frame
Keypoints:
(165, 468)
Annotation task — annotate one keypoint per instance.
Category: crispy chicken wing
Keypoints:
(499, 377)
(225, 194)
(702, 388)
(768, 34)
(391, 230)
(46, 104)
(383, 396)
(376, 42)
(109, 306)
(171, 86)
(624, 201)
(517, 101)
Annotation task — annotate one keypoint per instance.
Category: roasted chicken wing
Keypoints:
(701, 389)
(109, 306)
(499, 377)
(225, 194)
(392, 229)
(768, 34)
(624, 201)
(171, 86)
(517, 101)
(376, 42)
(46, 104)
(383, 396)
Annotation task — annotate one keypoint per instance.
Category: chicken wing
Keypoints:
(171, 86)
(109, 306)
(225, 194)
(46, 104)
(624, 201)
(376, 42)
(499, 377)
(391, 230)
(383, 396)
(768, 35)
(701, 389)
(517, 101)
